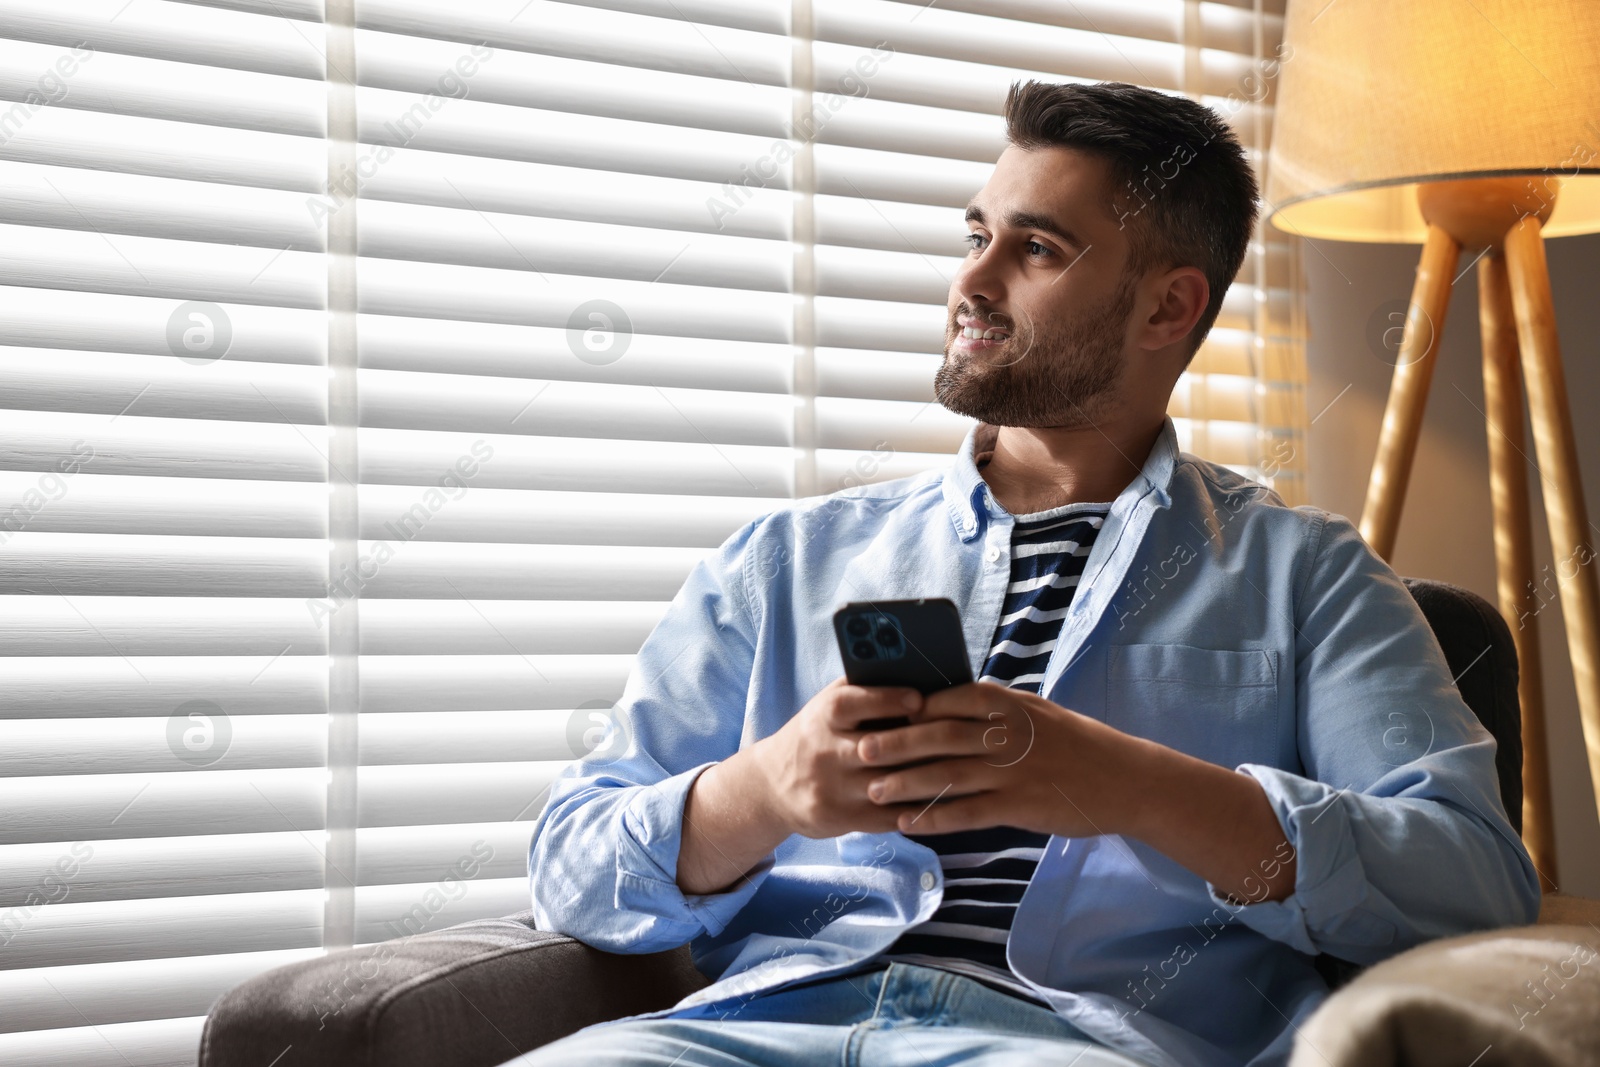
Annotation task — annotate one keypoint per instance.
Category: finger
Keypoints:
(972, 700)
(975, 812)
(882, 818)
(936, 779)
(936, 739)
(857, 704)
(1009, 737)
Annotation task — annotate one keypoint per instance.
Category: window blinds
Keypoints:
(163, 701)
(374, 375)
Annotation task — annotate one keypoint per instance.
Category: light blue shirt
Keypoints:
(1212, 618)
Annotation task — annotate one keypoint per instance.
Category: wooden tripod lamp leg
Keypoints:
(1572, 551)
(1513, 549)
(1408, 393)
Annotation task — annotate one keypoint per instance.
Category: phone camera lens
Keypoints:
(889, 637)
(863, 650)
(857, 626)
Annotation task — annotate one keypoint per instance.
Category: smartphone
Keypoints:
(913, 643)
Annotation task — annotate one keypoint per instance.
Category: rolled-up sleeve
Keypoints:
(1399, 832)
(604, 852)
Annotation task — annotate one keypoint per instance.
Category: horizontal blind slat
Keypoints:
(113, 504)
(888, 426)
(140, 868)
(477, 238)
(403, 400)
(418, 794)
(463, 737)
(415, 854)
(136, 505)
(1069, 53)
(161, 89)
(164, 927)
(197, 630)
(207, 802)
(104, 806)
(530, 135)
(875, 375)
(522, 627)
(161, 386)
(439, 683)
(842, 468)
(573, 31)
(155, 267)
(105, 994)
(395, 342)
(156, 1043)
(421, 66)
(111, 684)
(129, 745)
(565, 518)
(135, 565)
(137, 444)
(410, 457)
(1153, 19)
(487, 294)
(310, 10)
(551, 190)
(480, 570)
(102, 322)
(386, 911)
(764, 16)
(171, 208)
(175, 31)
(132, 144)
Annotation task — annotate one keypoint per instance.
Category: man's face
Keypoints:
(1060, 296)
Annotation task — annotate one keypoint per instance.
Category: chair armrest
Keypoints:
(1526, 992)
(478, 993)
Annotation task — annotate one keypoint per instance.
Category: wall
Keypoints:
(1446, 530)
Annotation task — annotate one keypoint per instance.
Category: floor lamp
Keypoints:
(1466, 127)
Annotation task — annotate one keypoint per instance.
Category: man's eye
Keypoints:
(973, 238)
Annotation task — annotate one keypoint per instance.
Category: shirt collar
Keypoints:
(972, 504)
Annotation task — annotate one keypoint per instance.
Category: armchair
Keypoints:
(480, 993)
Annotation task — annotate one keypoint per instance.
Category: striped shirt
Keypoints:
(986, 870)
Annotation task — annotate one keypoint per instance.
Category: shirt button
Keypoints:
(927, 879)
(992, 554)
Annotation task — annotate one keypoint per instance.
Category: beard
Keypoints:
(1062, 376)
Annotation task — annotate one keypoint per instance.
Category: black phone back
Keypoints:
(914, 643)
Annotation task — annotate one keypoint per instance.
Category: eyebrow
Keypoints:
(1027, 220)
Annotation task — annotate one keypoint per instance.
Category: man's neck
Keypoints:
(1033, 469)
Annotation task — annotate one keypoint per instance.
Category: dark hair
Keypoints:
(1189, 192)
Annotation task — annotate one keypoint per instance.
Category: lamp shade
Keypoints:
(1376, 96)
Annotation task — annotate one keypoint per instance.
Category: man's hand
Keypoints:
(994, 756)
(814, 775)
(804, 779)
(1003, 757)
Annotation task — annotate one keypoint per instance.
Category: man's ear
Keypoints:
(1182, 295)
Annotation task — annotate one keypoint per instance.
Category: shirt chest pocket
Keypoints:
(1219, 705)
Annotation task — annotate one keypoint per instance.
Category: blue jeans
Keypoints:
(897, 1015)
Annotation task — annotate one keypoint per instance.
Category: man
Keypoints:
(1212, 736)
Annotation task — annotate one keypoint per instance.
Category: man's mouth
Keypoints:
(973, 339)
